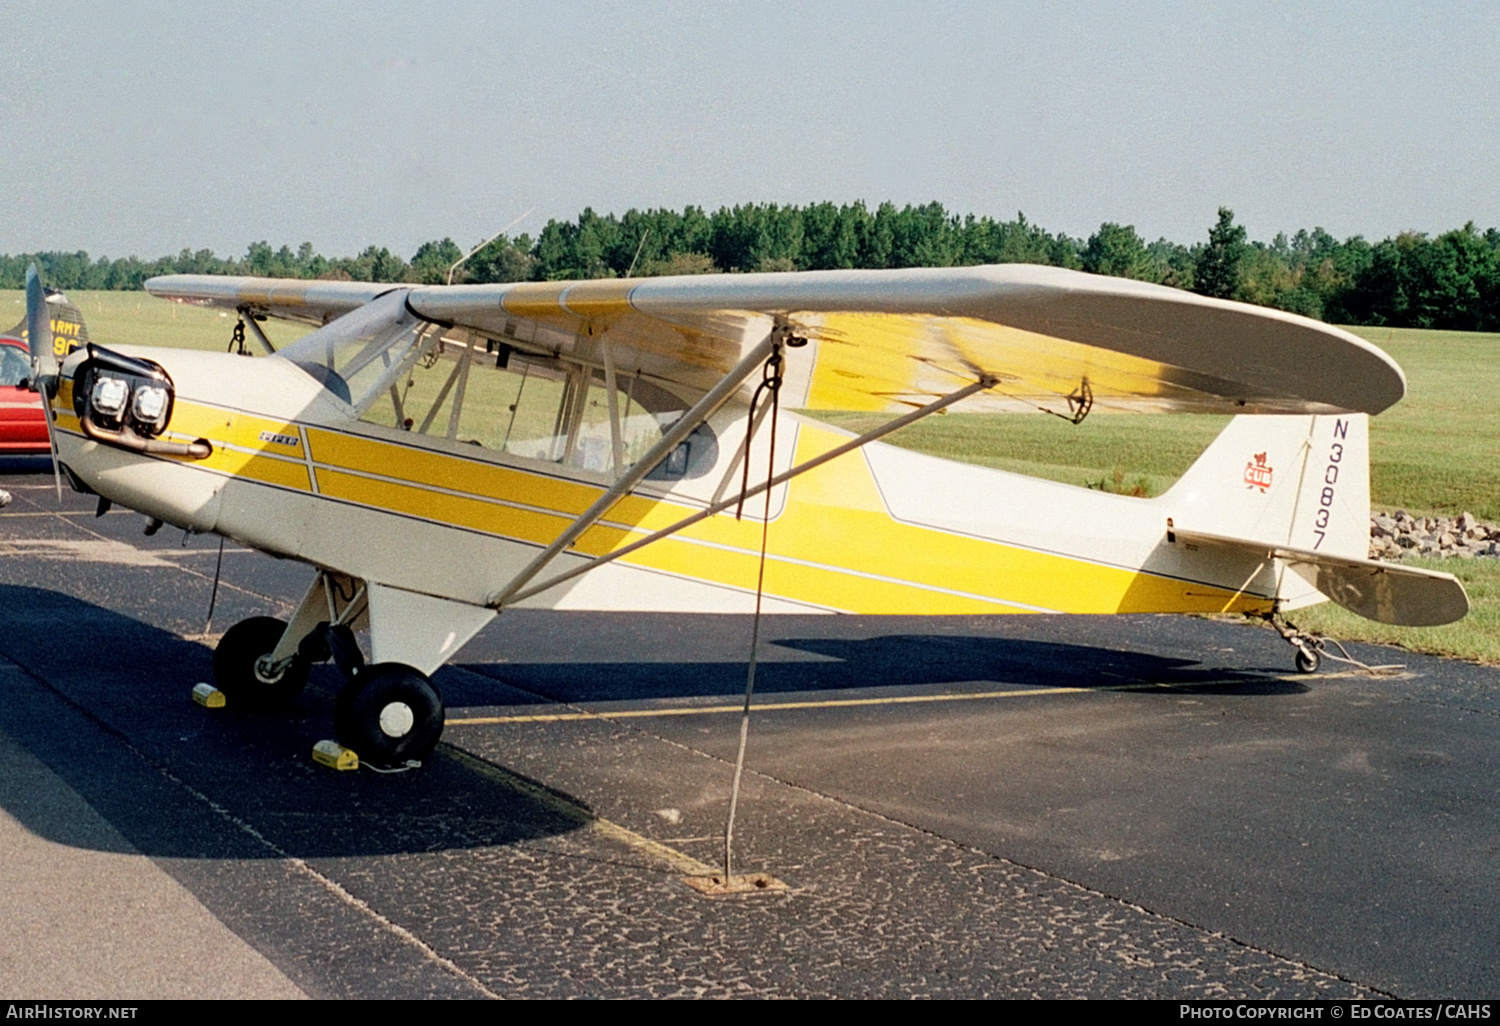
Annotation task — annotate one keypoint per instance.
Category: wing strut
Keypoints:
(685, 426)
(516, 594)
(248, 316)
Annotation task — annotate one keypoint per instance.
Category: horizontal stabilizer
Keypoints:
(1404, 596)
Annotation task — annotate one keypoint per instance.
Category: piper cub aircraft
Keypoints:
(439, 455)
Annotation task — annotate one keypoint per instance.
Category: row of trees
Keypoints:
(1411, 280)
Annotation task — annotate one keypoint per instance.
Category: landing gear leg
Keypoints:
(1312, 648)
(264, 662)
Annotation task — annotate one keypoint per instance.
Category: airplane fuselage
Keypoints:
(882, 530)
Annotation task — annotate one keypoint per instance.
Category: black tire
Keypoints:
(1307, 659)
(236, 668)
(388, 714)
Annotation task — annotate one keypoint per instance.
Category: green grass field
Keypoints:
(1434, 453)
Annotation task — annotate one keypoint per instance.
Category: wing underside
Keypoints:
(888, 340)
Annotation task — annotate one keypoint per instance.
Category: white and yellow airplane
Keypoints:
(442, 454)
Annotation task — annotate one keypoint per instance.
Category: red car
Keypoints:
(23, 424)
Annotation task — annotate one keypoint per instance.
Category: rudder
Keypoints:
(1299, 481)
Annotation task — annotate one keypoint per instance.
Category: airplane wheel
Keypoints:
(237, 671)
(1307, 659)
(388, 714)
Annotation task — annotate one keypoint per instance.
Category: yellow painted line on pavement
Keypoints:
(675, 860)
(710, 710)
(718, 710)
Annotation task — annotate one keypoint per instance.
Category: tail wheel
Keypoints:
(1307, 659)
(389, 714)
(240, 668)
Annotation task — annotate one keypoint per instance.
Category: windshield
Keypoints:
(358, 356)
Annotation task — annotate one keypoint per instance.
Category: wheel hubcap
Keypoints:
(397, 719)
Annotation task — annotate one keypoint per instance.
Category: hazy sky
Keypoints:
(148, 127)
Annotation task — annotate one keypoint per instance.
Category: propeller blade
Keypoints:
(38, 324)
(43, 360)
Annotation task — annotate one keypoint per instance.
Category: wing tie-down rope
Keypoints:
(771, 377)
(213, 596)
(237, 337)
(1080, 402)
(770, 386)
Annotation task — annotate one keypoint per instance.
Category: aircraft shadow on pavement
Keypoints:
(103, 701)
(900, 660)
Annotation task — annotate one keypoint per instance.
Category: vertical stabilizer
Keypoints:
(1298, 482)
(39, 339)
(59, 320)
(1333, 505)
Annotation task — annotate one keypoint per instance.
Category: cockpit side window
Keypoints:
(487, 394)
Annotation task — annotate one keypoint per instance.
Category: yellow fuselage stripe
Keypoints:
(834, 545)
(833, 527)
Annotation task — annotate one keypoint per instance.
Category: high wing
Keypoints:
(891, 340)
(311, 302)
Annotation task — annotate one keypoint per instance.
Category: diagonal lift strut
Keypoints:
(686, 425)
(518, 592)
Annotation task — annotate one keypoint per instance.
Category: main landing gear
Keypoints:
(245, 671)
(389, 714)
